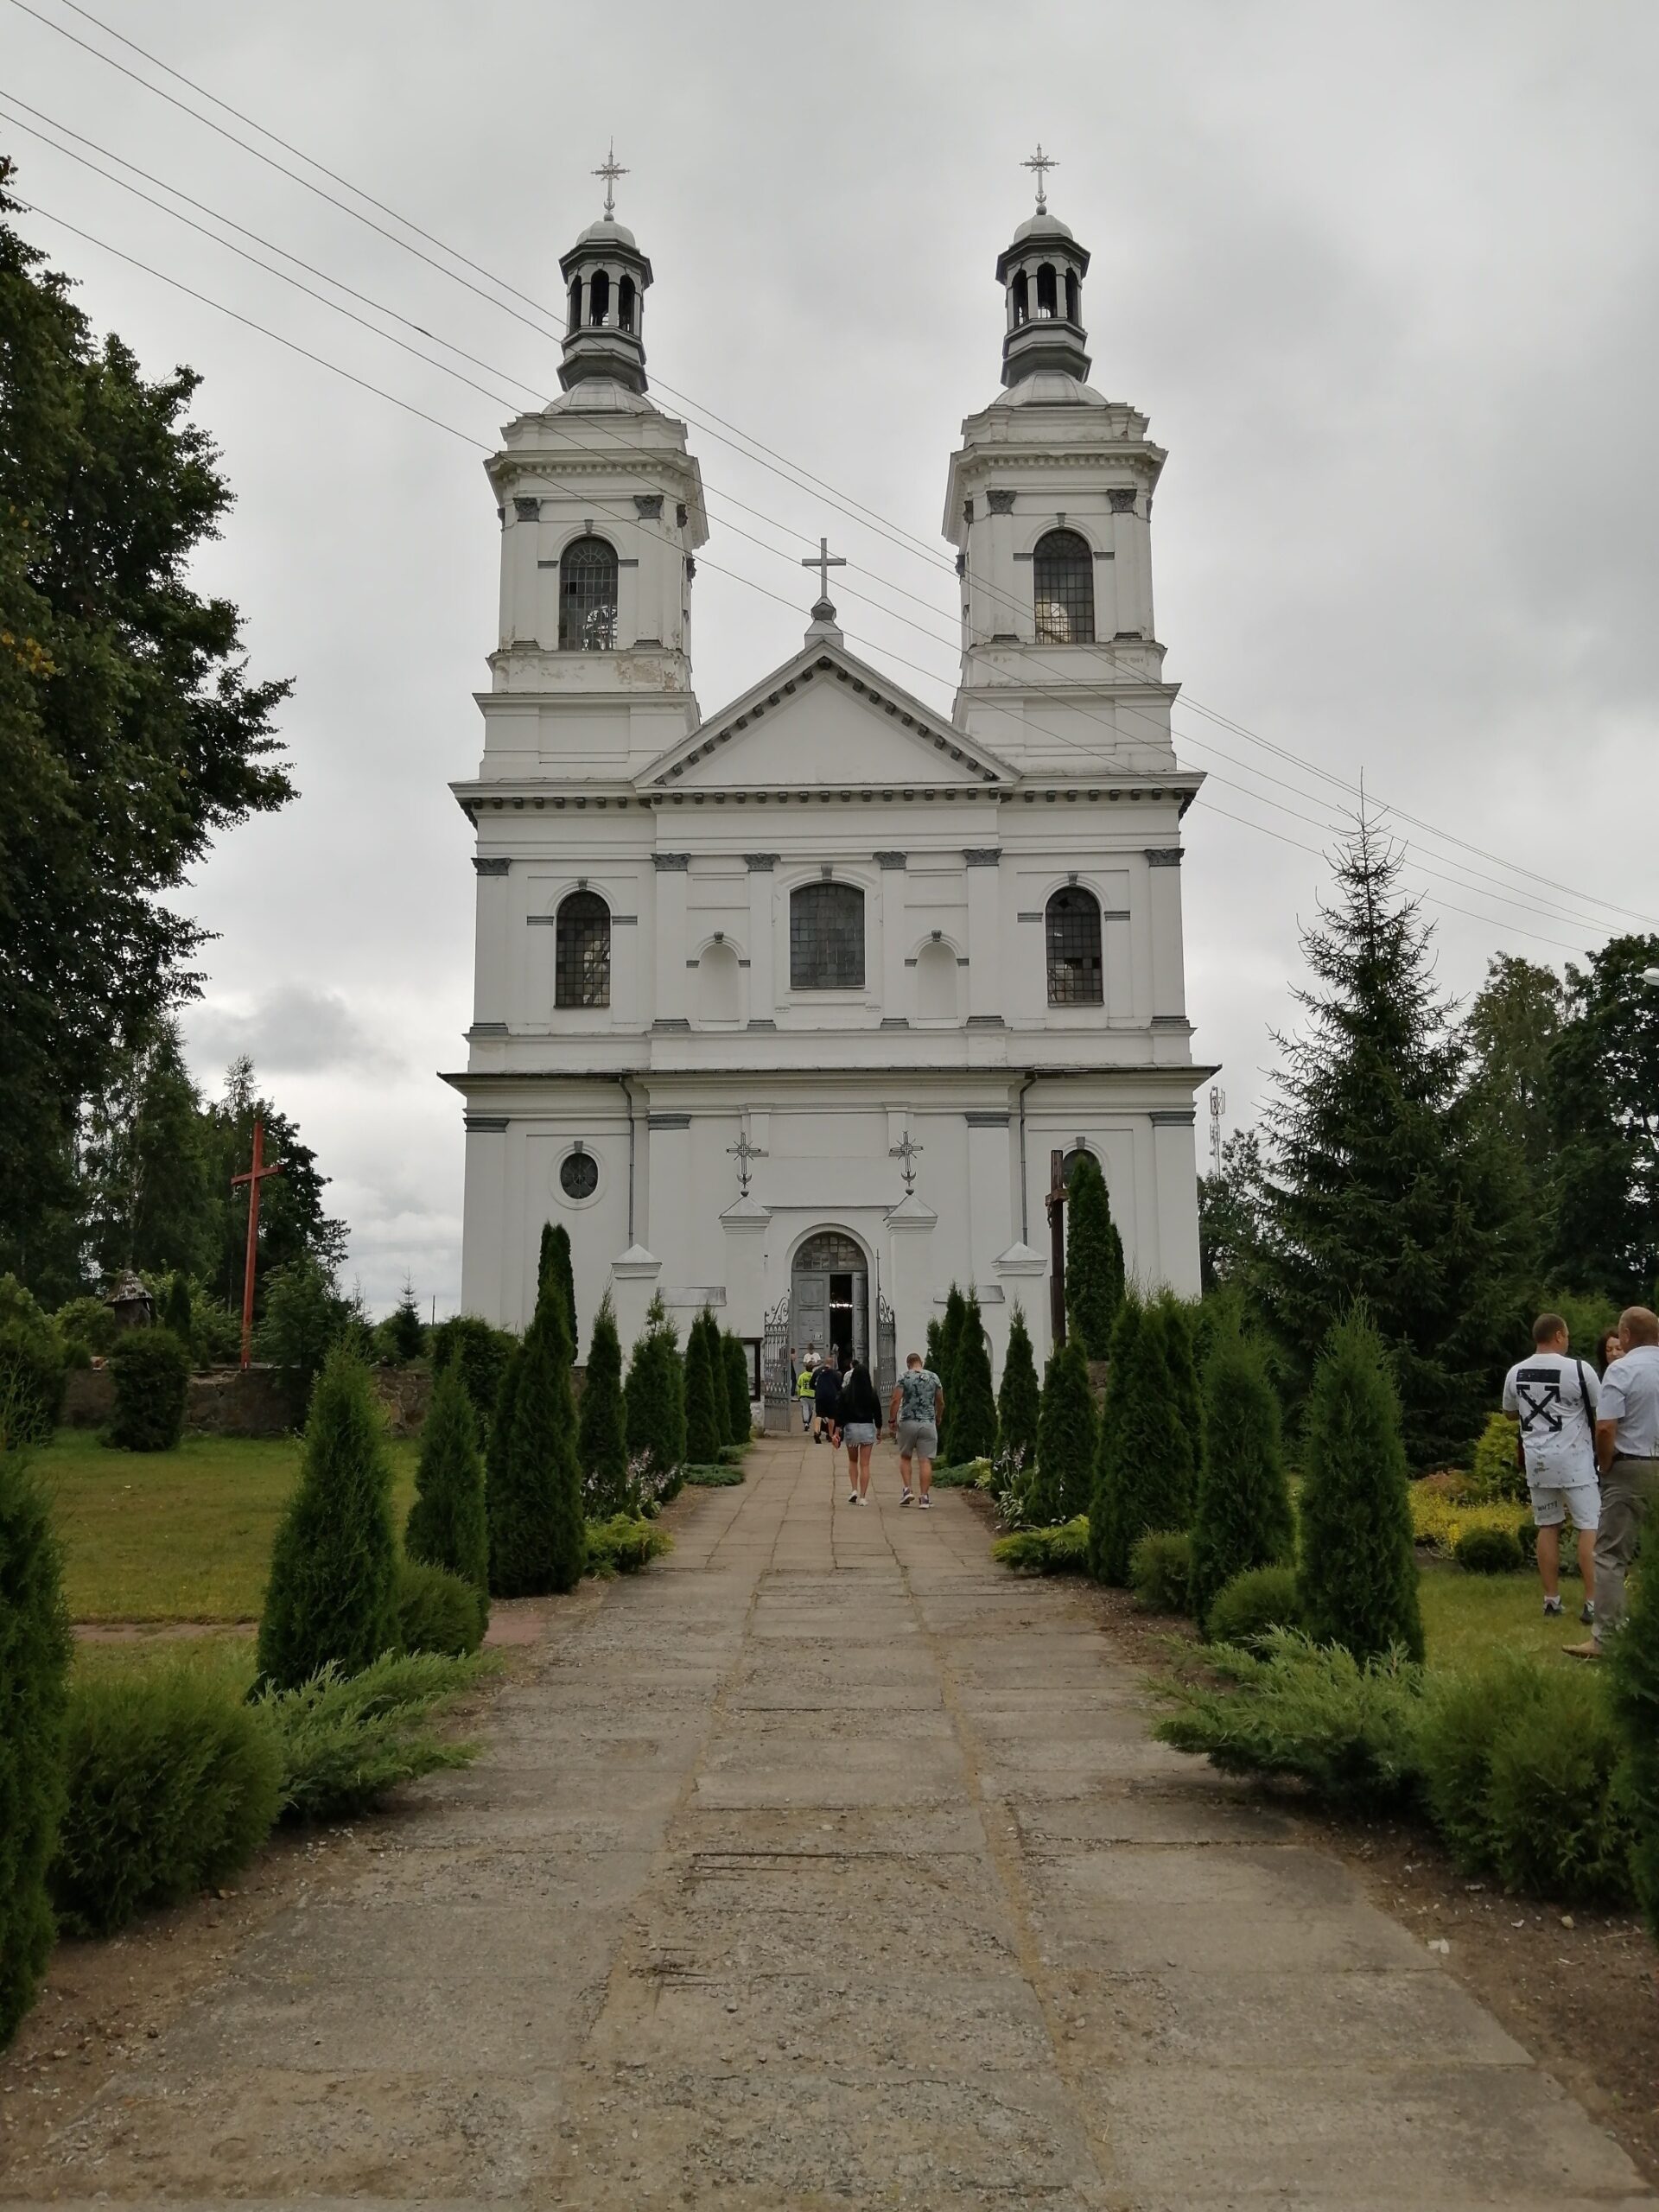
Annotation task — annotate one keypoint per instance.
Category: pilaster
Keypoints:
(670, 1009)
(763, 989)
(1164, 923)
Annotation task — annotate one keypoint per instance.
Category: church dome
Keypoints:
(1049, 388)
(609, 232)
(1044, 226)
(600, 395)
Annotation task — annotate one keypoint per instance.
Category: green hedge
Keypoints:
(32, 1378)
(35, 1649)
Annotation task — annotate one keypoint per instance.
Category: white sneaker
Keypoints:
(852, 1497)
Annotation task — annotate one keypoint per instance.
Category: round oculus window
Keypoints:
(579, 1175)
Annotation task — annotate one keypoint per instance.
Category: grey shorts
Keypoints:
(920, 1437)
(858, 1432)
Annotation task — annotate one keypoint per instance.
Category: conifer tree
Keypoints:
(330, 1599)
(1094, 1259)
(1065, 1439)
(554, 1265)
(654, 1396)
(1143, 1476)
(448, 1525)
(538, 1531)
(602, 1438)
(1636, 1706)
(1358, 1582)
(711, 1344)
(496, 1451)
(739, 1419)
(35, 1648)
(175, 1315)
(973, 1417)
(702, 1409)
(1186, 1404)
(405, 1332)
(933, 1355)
(1019, 1404)
(1243, 1519)
(950, 1329)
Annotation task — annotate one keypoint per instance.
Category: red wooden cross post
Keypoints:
(1055, 1202)
(255, 1175)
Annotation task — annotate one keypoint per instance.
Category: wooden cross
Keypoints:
(610, 169)
(254, 1176)
(1042, 163)
(1055, 1203)
(823, 560)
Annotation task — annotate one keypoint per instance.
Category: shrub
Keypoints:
(601, 1432)
(654, 1399)
(1463, 1715)
(172, 1785)
(1635, 1702)
(1498, 1476)
(1488, 1551)
(1253, 1604)
(480, 1353)
(1144, 1467)
(448, 1525)
(215, 1331)
(721, 1475)
(1093, 1260)
(438, 1611)
(624, 1544)
(152, 1383)
(35, 1648)
(703, 1432)
(330, 1596)
(1347, 1727)
(533, 1491)
(1358, 1585)
(345, 1740)
(305, 1317)
(1019, 1404)
(1059, 1485)
(553, 1266)
(1160, 1571)
(966, 1474)
(1439, 1515)
(90, 1323)
(1241, 1517)
(735, 1363)
(973, 1414)
(32, 1374)
(1064, 1550)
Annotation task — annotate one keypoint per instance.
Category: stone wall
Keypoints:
(259, 1401)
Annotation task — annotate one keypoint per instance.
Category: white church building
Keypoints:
(786, 1008)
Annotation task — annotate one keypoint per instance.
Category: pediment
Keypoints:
(825, 718)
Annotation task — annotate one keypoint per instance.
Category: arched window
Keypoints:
(575, 322)
(599, 297)
(625, 304)
(582, 957)
(588, 597)
(1048, 304)
(1070, 295)
(1063, 569)
(1073, 929)
(826, 938)
(1022, 299)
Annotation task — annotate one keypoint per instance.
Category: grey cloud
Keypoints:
(294, 1029)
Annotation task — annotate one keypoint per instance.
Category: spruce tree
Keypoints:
(973, 1417)
(602, 1440)
(1065, 1439)
(1019, 1404)
(740, 1419)
(1382, 1182)
(956, 1315)
(35, 1648)
(405, 1332)
(448, 1525)
(1636, 1706)
(1143, 1476)
(554, 1265)
(1094, 1259)
(702, 1410)
(1243, 1519)
(538, 1531)
(1358, 1582)
(654, 1398)
(331, 1598)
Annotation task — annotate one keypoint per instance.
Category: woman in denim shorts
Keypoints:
(860, 1421)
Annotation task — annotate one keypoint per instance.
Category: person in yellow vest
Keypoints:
(803, 1386)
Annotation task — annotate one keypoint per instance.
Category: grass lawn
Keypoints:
(179, 1535)
(1467, 1616)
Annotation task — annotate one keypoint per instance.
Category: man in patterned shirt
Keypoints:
(914, 1415)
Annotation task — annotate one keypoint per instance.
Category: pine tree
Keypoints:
(1019, 1404)
(603, 1435)
(1065, 1439)
(1382, 1182)
(554, 1265)
(654, 1398)
(35, 1649)
(405, 1332)
(1243, 1519)
(740, 1419)
(447, 1525)
(1094, 1259)
(333, 1563)
(701, 1413)
(956, 1315)
(973, 1417)
(1144, 1471)
(539, 1539)
(1358, 1583)
(1636, 1706)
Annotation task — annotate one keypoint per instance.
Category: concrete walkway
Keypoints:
(824, 1866)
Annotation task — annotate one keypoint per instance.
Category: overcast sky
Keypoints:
(1382, 276)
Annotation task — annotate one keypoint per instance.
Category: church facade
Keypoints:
(786, 1009)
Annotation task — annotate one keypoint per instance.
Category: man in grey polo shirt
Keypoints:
(1627, 1453)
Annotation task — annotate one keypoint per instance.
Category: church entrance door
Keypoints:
(829, 1296)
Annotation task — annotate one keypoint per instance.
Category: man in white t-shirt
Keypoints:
(1627, 1453)
(1554, 1395)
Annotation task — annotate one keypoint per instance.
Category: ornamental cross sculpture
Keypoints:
(1042, 163)
(907, 1152)
(610, 169)
(823, 560)
(743, 1152)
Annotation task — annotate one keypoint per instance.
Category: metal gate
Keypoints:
(886, 1348)
(775, 1378)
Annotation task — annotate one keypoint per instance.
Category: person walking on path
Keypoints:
(860, 1427)
(803, 1391)
(1554, 1394)
(826, 1398)
(1627, 1451)
(917, 1409)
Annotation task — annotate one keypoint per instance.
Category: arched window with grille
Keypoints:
(826, 938)
(1063, 569)
(588, 597)
(1072, 932)
(581, 958)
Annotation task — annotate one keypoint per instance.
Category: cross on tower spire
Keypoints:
(610, 169)
(823, 560)
(1041, 163)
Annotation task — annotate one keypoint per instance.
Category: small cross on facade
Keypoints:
(907, 1152)
(743, 1152)
(610, 169)
(823, 560)
(1041, 163)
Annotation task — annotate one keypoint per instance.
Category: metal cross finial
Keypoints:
(743, 1152)
(1042, 163)
(610, 169)
(823, 560)
(907, 1152)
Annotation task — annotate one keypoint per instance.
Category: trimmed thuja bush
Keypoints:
(34, 1675)
(448, 1525)
(538, 1528)
(703, 1436)
(1019, 1401)
(950, 1329)
(1143, 1477)
(1065, 1439)
(1635, 1707)
(1358, 1577)
(32, 1376)
(1243, 1516)
(175, 1308)
(437, 1611)
(973, 1410)
(481, 1354)
(331, 1595)
(553, 1266)
(654, 1398)
(1254, 1603)
(735, 1361)
(1093, 1260)
(601, 1433)
(1160, 1571)
(152, 1381)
